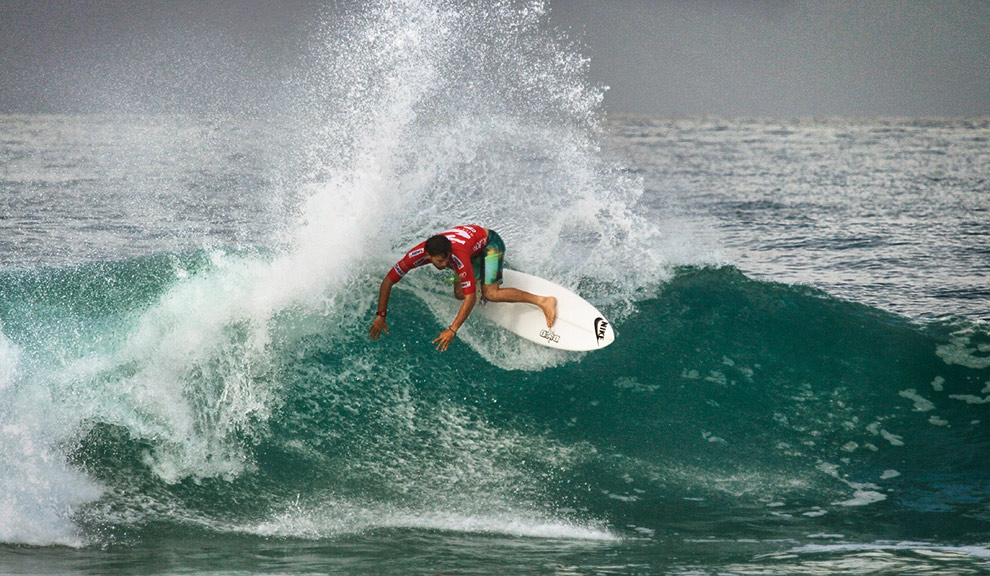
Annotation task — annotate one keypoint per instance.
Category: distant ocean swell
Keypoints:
(791, 405)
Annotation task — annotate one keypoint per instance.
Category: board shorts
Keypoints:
(488, 263)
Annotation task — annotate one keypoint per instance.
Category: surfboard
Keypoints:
(579, 325)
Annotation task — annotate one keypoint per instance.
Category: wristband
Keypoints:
(380, 313)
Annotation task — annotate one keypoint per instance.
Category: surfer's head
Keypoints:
(438, 245)
(438, 249)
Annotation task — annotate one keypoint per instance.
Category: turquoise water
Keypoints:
(736, 423)
(799, 383)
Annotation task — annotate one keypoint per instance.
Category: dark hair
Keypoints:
(438, 245)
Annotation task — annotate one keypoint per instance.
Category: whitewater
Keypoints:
(800, 381)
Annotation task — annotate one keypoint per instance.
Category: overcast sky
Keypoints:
(668, 57)
(788, 58)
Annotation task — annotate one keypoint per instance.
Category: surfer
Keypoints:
(476, 255)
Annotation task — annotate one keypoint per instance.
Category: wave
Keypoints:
(152, 403)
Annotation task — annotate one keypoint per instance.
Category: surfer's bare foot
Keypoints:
(549, 306)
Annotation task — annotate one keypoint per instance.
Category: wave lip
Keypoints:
(339, 518)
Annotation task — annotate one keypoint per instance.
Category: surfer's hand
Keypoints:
(377, 326)
(444, 339)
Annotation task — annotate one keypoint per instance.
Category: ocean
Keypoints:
(799, 384)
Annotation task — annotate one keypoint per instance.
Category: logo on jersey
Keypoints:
(459, 235)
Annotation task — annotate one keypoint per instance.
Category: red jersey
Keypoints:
(465, 242)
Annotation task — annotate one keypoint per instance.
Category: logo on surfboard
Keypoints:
(549, 335)
(601, 325)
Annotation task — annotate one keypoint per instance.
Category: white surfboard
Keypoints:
(579, 325)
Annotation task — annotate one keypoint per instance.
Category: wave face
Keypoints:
(725, 400)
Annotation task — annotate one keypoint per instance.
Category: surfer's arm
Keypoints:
(379, 323)
(447, 336)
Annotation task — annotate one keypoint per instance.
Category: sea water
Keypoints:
(800, 381)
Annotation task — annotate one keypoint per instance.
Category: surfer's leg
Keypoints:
(496, 293)
(491, 281)
(492, 261)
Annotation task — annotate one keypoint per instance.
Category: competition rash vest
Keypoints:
(465, 241)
